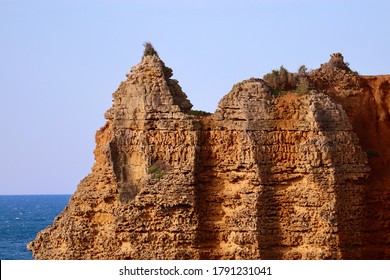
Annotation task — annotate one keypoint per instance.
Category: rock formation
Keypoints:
(366, 100)
(264, 177)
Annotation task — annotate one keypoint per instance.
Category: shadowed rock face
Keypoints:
(366, 100)
(261, 178)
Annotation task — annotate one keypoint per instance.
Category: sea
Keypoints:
(22, 217)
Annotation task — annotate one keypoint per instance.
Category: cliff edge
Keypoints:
(289, 177)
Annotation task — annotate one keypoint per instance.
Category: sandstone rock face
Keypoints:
(261, 178)
(366, 101)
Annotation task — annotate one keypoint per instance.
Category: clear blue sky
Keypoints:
(60, 61)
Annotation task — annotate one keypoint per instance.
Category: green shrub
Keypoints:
(159, 175)
(302, 70)
(278, 92)
(149, 50)
(158, 169)
(152, 169)
(281, 80)
(303, 85)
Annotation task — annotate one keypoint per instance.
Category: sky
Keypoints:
(60, 62)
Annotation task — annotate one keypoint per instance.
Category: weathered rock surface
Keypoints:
(366, 100)
(261, 178)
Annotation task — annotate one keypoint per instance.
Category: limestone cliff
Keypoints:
(264, 177)
(366, 100)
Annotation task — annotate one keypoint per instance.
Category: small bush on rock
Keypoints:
(281, 81)
(158, 169)
(303, 85)
(149, 50)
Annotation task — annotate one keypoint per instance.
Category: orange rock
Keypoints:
(261, 178)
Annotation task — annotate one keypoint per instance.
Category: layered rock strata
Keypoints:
(261, 178)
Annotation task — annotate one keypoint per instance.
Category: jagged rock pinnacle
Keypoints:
(335, 77)
(149, 93)
(337, 60)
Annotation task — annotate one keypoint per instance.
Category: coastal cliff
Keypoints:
(267, 176)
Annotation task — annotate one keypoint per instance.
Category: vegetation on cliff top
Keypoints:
(149, 49)
(282, 81)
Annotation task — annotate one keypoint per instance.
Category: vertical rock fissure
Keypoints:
(268, 208)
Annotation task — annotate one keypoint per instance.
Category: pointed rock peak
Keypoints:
(334, 65)
(335, 77)
(153, 60)
(334, 69)
(149, 92)
(337, 60)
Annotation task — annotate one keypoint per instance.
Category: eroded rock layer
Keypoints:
(261, 178)
(366, 100)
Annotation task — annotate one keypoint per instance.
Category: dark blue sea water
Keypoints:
(22, 217)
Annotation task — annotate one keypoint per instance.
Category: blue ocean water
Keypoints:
(22, 217)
